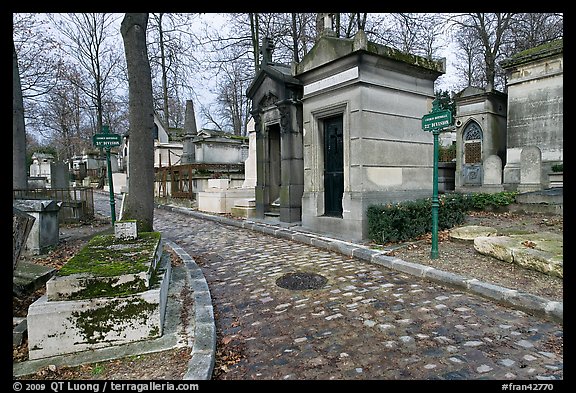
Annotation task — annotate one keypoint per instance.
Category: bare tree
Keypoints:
(171, 45)
(63, 115)
(414, 33)
(38, 55)
(235, 53)
(19, 174)
(469, 65)
(140, 199)
(254, 35)
(90, 38)
(529, 30)
(490, 30)
(38, 64)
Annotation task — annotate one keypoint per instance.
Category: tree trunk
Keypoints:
(139, 204)
(19, 173)
(164, 73)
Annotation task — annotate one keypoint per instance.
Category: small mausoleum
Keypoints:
(480, 140)
(535, 120)
(362, 107)
(277, 113)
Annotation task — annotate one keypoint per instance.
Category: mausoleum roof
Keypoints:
(548, 49)
(329, 48)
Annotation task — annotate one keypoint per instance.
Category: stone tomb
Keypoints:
(363, 143)
(114, 291)
(44, 232)
(219, 197)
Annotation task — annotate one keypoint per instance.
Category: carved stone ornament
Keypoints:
(285, 118)
(269, 99)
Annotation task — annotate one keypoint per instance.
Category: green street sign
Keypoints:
(106, 140)
(437, 120)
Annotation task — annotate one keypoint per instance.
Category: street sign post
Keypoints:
(107, 140)
(436, 120)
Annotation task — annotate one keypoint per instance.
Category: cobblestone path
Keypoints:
(366, 322)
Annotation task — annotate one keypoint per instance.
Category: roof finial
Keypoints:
(266, 50)
(329, 25)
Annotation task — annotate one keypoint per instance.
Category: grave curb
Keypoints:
(203, 354)
(508, 297)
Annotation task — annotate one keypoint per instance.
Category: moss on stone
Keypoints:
(94, 324)
(107, 287)
(106, 256)
(547, 49)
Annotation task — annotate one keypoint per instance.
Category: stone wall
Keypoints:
(535, 108)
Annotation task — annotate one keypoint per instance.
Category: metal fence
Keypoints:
(77, 202)
(177, 180)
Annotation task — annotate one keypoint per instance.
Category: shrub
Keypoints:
(558, 168)
(481, 201)
(408, 220)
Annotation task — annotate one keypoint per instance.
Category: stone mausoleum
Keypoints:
(277, 113)
(535, 119)
(362, 107)
(480, 140)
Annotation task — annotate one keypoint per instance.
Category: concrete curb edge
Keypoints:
(203, 354)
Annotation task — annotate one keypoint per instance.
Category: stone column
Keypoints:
(190, 131)
(292, 155)
(261, 194)
(250, 163)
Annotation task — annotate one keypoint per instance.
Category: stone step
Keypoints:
(550, 196)
(245, 203)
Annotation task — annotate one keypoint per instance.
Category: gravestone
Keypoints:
(59, 177)
(21, 225)
(530, 169)
(493, 174)
(112, 292)
(126, 230)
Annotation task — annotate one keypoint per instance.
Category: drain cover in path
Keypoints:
(301, 280)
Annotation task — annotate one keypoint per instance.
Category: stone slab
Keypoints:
(471, 232)
(540, 251)
(72, 286)
(30, 276)
(241, 211)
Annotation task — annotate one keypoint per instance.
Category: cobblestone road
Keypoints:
(366, 322)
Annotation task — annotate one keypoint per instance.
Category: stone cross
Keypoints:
(266, 50)
(328, 21)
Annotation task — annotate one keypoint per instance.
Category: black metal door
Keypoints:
(333, 166)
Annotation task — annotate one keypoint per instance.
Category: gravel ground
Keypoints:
(461, 258)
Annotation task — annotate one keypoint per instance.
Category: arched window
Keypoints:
(155, 131)
(472, 143)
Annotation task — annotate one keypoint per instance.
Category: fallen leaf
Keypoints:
(529, 244)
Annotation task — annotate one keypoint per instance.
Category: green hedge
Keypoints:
(408, 220)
